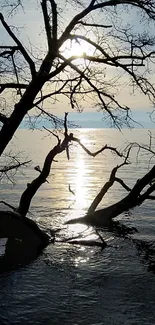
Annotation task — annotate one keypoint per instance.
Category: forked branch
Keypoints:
(32, 188)
(94, 154)
(20, 46)
(108, 185)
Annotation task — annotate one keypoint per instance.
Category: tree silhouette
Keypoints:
(113, 52)
(83, 76)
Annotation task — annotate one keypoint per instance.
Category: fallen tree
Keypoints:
(24, 233)
(135, 197)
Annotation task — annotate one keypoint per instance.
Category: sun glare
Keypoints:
(73, 48)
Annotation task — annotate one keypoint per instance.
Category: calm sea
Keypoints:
(69, 284)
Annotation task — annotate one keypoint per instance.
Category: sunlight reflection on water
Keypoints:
(54, 203)
(80, 191)
(69, 284)
(78, 260)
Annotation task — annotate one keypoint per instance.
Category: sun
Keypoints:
(76, 48)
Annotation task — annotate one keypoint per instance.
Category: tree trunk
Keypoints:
(103, 217)
(32, 188)
(25, 240)
(20, 110)
(12, 225)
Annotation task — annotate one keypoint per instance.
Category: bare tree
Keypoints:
(112, 44)
(140, 191)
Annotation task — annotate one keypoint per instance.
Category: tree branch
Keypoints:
(147, 7)
(146, 195)
(73, 22)
(8, 205)
(94, 25)
(120, 181)
(32, 188)
(56, 92)
(56, 120)
(44, 173)
(47, 23)
(15, 166)
(106, 186)
(9, 47)
(99, 93)
(12, 85)
(54, 20)
(94, 154)
(20, 46)
(115, 59)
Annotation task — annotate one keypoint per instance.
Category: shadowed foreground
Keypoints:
(25, 239)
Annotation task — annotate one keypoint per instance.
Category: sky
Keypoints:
(30, 31)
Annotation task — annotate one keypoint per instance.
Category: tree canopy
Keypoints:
(86, 58)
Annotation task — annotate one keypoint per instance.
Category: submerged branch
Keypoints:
(32, 188)
(85, 242)
(108, 185)
(103, 217)
(94, 154)
(8, 205)
(120, 181)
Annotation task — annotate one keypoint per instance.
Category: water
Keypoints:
(70, 284)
